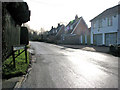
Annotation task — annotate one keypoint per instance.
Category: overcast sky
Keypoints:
(48, 13)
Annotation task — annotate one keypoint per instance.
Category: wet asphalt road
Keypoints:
(60, 67)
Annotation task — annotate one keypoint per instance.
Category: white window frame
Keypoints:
(109, 21)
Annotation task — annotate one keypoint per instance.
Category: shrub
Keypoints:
(115, 50)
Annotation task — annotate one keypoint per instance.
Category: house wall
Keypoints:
(82, 31)
(105, 28)
(81, 28)
(118, 29)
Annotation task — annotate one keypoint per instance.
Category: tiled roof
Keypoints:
(54, 30)
(59, 29)
(72, 24)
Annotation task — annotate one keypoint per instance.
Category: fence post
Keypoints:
(13, 55)
(26, 53)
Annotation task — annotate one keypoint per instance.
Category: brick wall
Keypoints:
(71, 40)
(81, 28)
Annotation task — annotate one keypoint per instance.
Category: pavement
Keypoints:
(56, 66)
(103, 49)
(10, 83)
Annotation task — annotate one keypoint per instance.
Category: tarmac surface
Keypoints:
(57, 66)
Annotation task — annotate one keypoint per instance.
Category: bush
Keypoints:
(115, 50)
(112, 48)
(118, 50)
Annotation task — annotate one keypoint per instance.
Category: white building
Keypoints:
(105, 28)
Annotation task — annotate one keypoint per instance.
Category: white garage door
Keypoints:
(97, 39)
(110, 38)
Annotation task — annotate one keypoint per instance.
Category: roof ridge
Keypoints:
(105, 11)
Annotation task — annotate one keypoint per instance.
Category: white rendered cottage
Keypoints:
(105, 28)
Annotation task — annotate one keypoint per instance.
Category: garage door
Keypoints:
(110, 38)
(97, 39)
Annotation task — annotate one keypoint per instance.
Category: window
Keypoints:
(68, 28)
(94, 25)
(100, 23)
(109, 21)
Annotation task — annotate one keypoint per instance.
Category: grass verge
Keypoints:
(9, 71)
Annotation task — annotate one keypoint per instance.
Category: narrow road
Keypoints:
(60, 67)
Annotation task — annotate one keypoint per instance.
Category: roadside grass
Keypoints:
(9, 71)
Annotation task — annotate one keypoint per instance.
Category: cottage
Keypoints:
(61, 30)
(76, 32)
(55, 33)
(105, 28)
